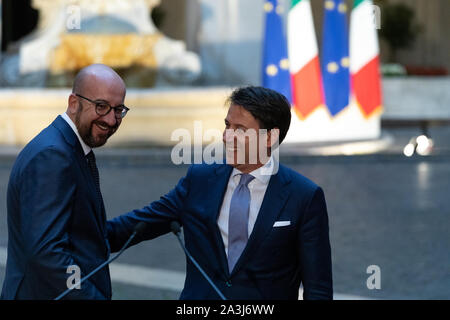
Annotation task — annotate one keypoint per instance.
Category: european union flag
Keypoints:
(275, 71)
(335, 57)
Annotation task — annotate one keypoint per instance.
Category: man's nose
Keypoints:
(110, 118)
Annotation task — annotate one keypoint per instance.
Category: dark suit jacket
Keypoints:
(55, 220)
(275, 260)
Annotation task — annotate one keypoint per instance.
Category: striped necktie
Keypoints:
(238, 220)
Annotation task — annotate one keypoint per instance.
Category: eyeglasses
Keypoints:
(103, 108)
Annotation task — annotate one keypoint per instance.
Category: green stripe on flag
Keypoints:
(357, 3)
(294, 3)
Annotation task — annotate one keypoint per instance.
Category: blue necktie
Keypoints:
(92, 164)
(238, 220)
(94, 171)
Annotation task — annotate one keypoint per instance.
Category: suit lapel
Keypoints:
(217, 186)
(72, 140)
(274, 199)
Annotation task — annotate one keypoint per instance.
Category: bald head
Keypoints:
(94, 87)
(97, 75)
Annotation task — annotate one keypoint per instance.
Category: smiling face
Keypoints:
(242, 137)
(100, 84)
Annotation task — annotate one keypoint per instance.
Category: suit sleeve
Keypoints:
(47, 191)
(157, 215)
(315, 251)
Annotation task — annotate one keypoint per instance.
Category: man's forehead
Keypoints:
(238, 113)
(104, 89)
(103, 80)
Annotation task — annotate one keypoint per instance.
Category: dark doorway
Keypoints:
(18, 20)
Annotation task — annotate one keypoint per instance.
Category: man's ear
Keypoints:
(273, 138)
(72, 105)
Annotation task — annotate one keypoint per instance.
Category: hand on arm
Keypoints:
(157, 215)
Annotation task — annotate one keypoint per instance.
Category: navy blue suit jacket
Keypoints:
(276, 259)
(55, 220)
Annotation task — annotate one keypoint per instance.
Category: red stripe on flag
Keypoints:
(366, 85)
(307, 90)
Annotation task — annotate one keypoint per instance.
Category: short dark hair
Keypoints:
(269, 107)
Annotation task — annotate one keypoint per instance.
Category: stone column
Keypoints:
(193, 23)
(228, 37)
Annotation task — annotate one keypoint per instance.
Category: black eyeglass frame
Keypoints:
(120, 115)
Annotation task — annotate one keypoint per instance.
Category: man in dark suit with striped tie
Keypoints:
(257, 228)
(56, 215)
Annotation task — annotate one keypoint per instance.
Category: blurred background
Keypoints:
(385, 172)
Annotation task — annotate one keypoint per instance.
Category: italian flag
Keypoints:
(304, 66)
(364, 58)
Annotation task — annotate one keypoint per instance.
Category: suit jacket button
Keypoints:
(228, 283)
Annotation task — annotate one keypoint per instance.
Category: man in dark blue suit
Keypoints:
(257, 228)
(56, 216)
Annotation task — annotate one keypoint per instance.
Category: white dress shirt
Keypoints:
(257, 187)
(85, 147)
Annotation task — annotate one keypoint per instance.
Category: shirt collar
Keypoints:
(86, 148)
(261, 174)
